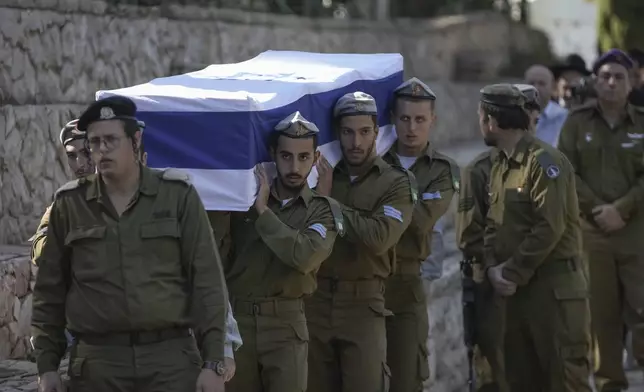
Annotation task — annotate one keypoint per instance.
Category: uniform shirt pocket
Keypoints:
(161, 248)
(88, 247)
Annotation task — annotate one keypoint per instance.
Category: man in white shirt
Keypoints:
(552, 116)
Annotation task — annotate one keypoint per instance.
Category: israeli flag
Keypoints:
(214, 123)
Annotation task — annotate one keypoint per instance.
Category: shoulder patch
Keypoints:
(413, 184)
(175, 175)
(336, 211)
(547, 163)
(70, 186)
(454, 169)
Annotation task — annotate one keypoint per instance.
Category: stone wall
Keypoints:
(16, 285)
(57, 53)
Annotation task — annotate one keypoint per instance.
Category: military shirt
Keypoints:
(437, 178)
(154, 267)
(277, 253)
(377, 208)
(533, 215)
(608, 162)
(38, 239)
(473, 205)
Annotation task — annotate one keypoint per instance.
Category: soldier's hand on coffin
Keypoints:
(325, 176)
(264, 190)
(230, 369)
(50, 382)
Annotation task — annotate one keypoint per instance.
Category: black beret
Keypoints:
(614, 56)
(531, 96)
(110, 108)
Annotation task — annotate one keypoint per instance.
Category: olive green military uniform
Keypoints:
(270, 266)
(346, 315)
(131, 287)
(489, 306)
(67, 134)
(437, 177)
(609, 168)
(120, 285)
(533, 227)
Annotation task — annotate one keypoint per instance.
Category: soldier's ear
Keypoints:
(316, 156)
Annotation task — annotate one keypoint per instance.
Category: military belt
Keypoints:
(351, 286)
(132, 338)
(269, 307)
(407, 268)
(556, 267)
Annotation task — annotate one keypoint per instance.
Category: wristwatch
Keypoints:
(217, 366)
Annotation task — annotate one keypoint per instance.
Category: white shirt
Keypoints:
(406, 162)
(550, 123)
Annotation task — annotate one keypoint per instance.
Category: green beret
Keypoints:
(502, 95)
(296, 126)
(415, 88)
(354, 104)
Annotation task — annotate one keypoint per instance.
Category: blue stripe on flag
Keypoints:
(237, 140)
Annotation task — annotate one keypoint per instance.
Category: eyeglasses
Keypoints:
(110, 142)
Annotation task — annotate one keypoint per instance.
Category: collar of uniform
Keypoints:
(305, 194)
(630, 113)
(378, 163)
(148, 184)
(521, 149)
(428, 151)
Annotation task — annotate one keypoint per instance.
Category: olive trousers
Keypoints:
(348, 347)
(274, 355)
(547, 339)
(407, 330)
(171, 365)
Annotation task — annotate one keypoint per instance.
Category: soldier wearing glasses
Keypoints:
(130, 267)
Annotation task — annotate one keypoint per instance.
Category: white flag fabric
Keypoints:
(214, 123)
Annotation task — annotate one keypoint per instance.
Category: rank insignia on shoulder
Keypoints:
(552, 171)
(394, 213)
(319, 228)
(432, 195)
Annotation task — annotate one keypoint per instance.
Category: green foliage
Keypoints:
(620, 24)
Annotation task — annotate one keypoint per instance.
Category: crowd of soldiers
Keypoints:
(140, 284)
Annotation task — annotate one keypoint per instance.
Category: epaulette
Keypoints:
(547, 163)
(454, 169)
(175, 175)
(70, 186)
(413, 184)
(336, 211)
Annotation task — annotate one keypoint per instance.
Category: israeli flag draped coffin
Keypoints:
(214, 123)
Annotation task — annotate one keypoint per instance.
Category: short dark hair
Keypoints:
(507, 118)
(394, 107)
(274, 138)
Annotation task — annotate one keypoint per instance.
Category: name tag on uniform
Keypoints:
(432, 195)
(393, 213)
(636, 135)
(319, 228)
